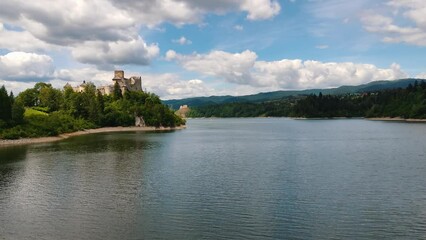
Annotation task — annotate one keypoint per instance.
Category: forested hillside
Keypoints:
(46, 111)
(278, 95)
(409, 102)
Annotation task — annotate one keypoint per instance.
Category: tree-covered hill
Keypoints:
(270, 96)
(409, 102)
(46, 111)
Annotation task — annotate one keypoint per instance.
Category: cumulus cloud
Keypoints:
(298, 74)
(261, 9)
(15, 86)
(22, 66)
(244, 69)
(182, 41)
(68, 22)
(102, 53)
(153, 12)
(234, 68)
(9, 40)
(413, 11)
(170, 86)
(97, 30)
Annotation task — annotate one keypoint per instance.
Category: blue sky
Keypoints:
(186, 48)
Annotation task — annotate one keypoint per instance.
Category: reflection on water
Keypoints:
(8, 172)
(221, 179)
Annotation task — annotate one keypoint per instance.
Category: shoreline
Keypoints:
(398, 119)
(24, 141)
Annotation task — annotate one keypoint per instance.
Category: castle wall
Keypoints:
(132, 84)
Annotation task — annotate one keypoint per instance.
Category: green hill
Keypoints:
(268, 96)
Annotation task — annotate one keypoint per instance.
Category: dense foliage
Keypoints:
(409, 102)
(244, 109)
(46, 111)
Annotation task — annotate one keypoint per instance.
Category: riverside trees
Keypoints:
(407, 102)
(49, 111)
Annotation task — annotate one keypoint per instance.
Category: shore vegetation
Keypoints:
(44, 111)
(404, 103)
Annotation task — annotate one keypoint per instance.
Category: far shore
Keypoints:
(325, 118)
(22, 141)
(397, 119)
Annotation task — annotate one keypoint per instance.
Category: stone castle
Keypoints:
(131, 84)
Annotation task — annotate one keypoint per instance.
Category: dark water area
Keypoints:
(221, 179)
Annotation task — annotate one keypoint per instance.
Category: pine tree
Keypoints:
(5, 105)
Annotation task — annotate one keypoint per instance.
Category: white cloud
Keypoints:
(386, 24)
(234, 68)
(239, 27)
(261, 9)
(421, 76)
(69, 22)
(182, 41)
(298, 74)
(101, 53)
(97, 31)
(22, 66)
(322, 46)
(153, 12)
(244, 69)
(21, 41)
(78, 75)
(15, 86)
(170, 86)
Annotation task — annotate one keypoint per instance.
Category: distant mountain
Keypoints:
(268, 96)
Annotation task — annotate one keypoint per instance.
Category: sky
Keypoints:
(190, 48)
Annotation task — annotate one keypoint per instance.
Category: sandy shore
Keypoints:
(397, 119)
(84, 132)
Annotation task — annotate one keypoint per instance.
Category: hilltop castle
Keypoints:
(131, 84)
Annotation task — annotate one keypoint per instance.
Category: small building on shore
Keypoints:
(183, 111)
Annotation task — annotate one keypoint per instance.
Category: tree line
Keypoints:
(407, 102)
(46, 111)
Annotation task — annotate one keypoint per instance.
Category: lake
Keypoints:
(263, 178)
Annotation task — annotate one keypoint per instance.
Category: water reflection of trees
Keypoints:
(9, 171)
(100, 143)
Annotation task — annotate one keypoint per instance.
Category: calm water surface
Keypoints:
(221, 179)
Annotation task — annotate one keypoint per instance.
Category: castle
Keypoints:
(131, 84)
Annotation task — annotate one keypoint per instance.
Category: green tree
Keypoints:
(117, 94)
(29, 97)
(18, 111)
(50, 98)
(5, 105)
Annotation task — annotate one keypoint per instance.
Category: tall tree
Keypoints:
(5, 105)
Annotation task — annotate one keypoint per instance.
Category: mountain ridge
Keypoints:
(275, 95)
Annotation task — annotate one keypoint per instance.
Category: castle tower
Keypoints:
(118, 75)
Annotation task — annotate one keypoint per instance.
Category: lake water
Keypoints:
(221, 179)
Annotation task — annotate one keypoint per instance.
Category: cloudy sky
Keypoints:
(186, 48)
